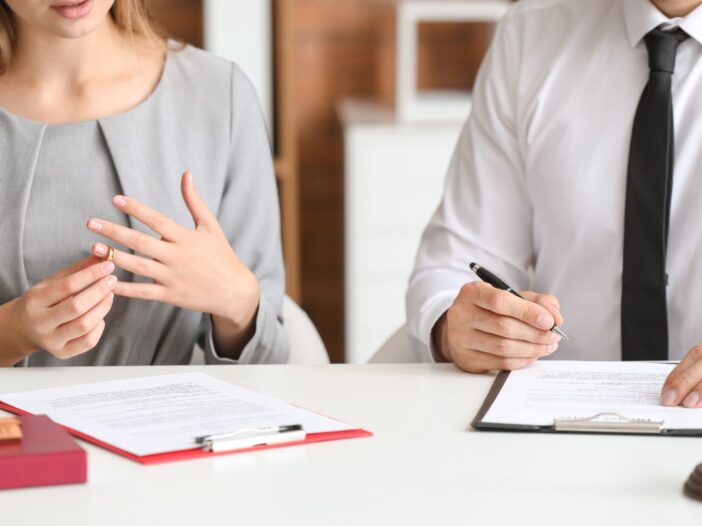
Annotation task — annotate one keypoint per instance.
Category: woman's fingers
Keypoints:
(76, 267)
(153, 219)
(84, 343)
(54, 292)
(138, 265)
(76, 306)
(87, 322)
(196, 204)
(137, 241)
(143, 291)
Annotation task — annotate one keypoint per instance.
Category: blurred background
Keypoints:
(364, 101)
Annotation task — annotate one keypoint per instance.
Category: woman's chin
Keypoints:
(75, 24)
(73, 32)
(72, 29)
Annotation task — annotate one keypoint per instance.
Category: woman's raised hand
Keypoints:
(195, 269)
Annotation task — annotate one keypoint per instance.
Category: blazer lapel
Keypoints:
(23, 138)
(143, 172)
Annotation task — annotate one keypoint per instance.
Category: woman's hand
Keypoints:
(64, 314)
(192, 269)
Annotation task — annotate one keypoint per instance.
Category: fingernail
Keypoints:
(669, 397)
(112, 281)
(555, 338)
(119, 201)
(100, 250)
(545, 321)
(692, 399)
(108, 267)
(94, 225)
(552, 348)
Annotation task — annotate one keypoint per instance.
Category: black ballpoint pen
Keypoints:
(488, 277)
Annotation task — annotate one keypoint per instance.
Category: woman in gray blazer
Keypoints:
(109, 254)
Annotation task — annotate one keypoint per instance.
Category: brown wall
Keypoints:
(341, 48)
(450, 54)
(181, 19)
(346, 48)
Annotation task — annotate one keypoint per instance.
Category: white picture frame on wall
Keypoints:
(434, 106)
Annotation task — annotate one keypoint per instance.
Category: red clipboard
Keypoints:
(189, 454)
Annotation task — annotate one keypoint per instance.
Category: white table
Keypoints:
(423, 466)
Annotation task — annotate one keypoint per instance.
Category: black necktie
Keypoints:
(648, 189)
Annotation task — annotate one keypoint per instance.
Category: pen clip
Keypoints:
(248, 431)
(253, 441)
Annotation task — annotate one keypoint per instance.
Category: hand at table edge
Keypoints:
(683, 386)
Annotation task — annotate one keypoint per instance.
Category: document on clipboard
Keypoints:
(163, 418)
(586, 397)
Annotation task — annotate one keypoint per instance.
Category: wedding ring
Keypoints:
(110, 254)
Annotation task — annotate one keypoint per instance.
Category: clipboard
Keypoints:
(197, 452)
(608, 423)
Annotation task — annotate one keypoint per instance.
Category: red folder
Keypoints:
(45, 456)
(189, 454)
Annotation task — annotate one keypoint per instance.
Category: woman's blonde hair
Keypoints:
(131, 16)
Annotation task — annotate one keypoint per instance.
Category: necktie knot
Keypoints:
(663, 47)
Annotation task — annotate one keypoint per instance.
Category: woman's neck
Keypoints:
(48, 60)
(676, 8)
(58, 80)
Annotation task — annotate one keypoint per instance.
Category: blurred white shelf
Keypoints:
(437, 106)
(393, 183)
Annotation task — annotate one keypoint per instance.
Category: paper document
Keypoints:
(160, 414)
(550, 390)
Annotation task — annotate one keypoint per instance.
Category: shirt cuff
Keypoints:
(431, 312)
(267, 345)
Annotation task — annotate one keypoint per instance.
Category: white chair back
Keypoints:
(306, 345)
(399, 348)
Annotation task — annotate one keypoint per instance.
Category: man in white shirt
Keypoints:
(561, 183)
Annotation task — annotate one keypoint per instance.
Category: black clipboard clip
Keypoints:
(607, 423)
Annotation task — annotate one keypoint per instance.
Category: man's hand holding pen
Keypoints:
(491, 329)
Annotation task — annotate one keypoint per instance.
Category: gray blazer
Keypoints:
(203, 116)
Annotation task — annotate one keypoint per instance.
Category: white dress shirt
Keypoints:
(536, 188)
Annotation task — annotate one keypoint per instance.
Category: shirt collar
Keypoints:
(642, 16)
